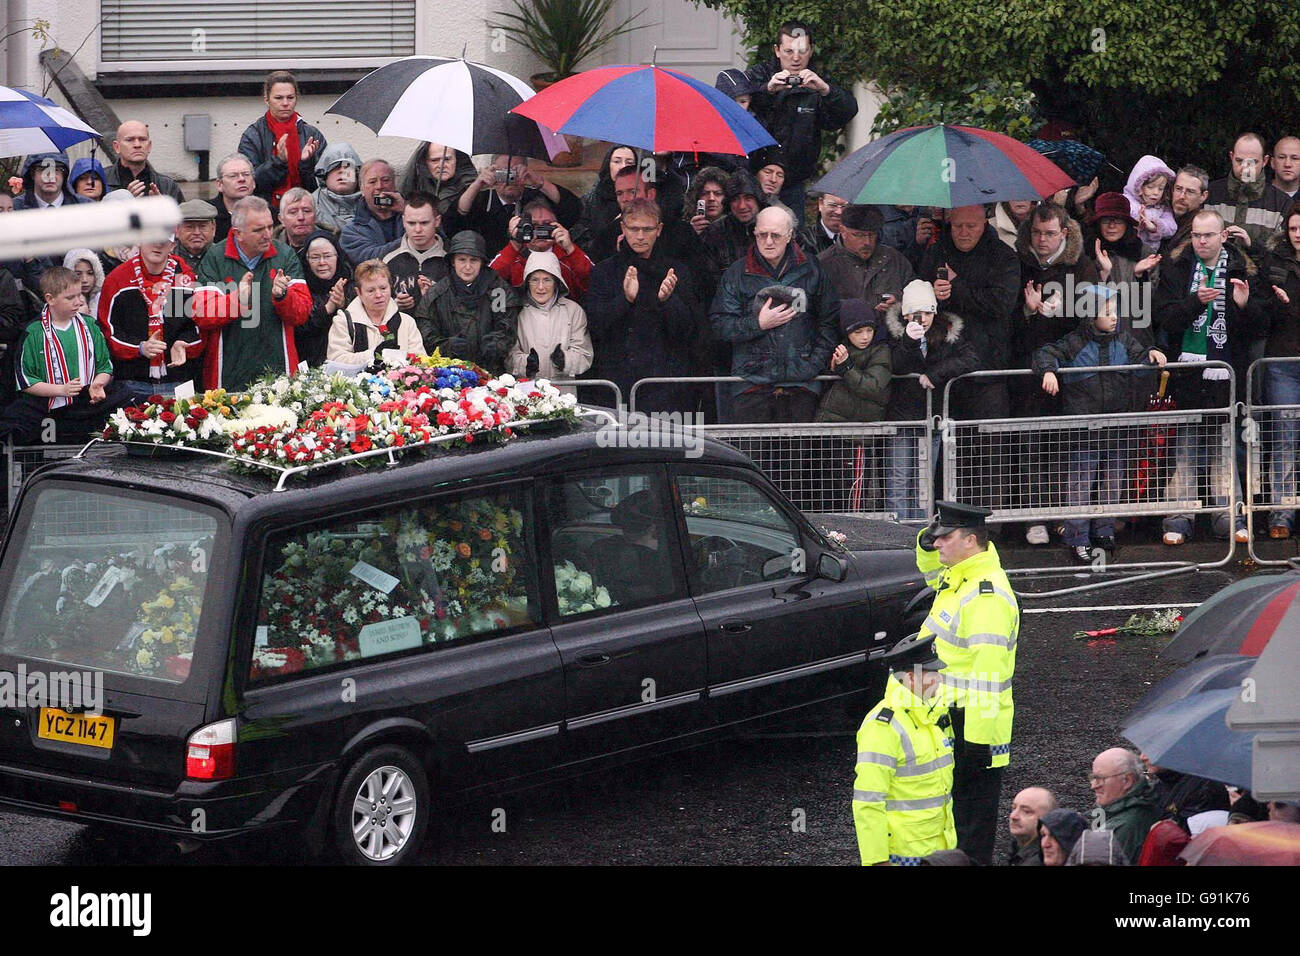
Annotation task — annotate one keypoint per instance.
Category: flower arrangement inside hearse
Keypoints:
(429, 574)
(315, 416)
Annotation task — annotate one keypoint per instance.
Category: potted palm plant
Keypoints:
(563, 33)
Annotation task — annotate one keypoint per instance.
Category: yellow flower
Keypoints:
(166, 601)
(168, 635)
(144, 658)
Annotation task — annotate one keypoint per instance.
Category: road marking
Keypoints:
(1109, 607)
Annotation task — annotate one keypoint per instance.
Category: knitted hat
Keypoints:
(918, 296)
(863, 218)
(742, 183)
(767, 156)
(468, 242)
(1110, 206)
(857, 314)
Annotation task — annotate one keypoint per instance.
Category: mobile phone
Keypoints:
(503, 175)
(941, 273)
(885, 297)
(383, 200)
(699, 207)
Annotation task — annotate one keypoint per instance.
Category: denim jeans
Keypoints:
(1197, 452)
(903, 491)
(1100, 462)
(1282, 387)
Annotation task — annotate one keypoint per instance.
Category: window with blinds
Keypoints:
(276, 30)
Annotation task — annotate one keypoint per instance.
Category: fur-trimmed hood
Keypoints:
(951, 333)
(1069, 256)
(1235, 256)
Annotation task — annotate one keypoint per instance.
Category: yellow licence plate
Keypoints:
(58, 724)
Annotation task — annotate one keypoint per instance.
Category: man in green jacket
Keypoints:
(1127, 803)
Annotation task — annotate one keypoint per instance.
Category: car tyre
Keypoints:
(382, 809)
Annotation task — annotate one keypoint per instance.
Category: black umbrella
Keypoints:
(1216, 672)
(1240, 619)
(450, 101)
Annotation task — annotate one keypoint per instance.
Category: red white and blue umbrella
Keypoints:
(455, 102)
(648, 107)
(33, 124)
(944, 166)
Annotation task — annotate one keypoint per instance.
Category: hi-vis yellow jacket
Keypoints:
(902, 791)
(975, 619)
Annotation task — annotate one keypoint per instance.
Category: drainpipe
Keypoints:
(16, 45)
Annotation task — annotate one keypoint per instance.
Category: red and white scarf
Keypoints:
(56, 362)
(155, 290)
(294, 149)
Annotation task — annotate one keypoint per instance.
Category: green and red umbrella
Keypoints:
(945, 166)
(1240, 619)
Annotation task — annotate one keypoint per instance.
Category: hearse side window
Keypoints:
(736, 533)
(611, 542)
(108, 580)
(368, 586)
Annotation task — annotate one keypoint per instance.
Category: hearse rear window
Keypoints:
(369, 586)
(108, 580)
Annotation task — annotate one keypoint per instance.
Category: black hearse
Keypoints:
(338, 655)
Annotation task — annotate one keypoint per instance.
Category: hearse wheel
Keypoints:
(382, 809)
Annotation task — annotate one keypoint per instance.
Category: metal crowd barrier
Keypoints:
(22, 460)
(585, 386)
(845, 468)
(1041, 470)
(1271, 431)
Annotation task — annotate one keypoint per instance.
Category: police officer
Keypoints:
(975, 620)
(902, 792)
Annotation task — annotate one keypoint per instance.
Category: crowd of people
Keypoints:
(692, 265)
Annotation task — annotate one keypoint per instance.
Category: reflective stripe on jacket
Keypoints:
(902, 790)
(975, 619)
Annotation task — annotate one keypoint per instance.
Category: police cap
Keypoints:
(911, 651)
(954, 515)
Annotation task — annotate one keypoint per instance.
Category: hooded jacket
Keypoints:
(312, 336)
(88, 164)
(70, 260)
(479, 329)
(1097, 848)
(407, 265)
(793, 354)
(334, 211)
(355, 337)
(1067, 272)
(27, 199)
(116, 176)
(1093, 393)
(1130, 817)
(1065, 826)
(646, 338)
(948, 354)
(796, 117)
(257, 145)
(576, 266)
(559, 322)
(1161, 215)
(416, 178)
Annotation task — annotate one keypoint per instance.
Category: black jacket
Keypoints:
(646, 338)
(269, 171)
(1283, 320)
(482, 332)
(813, 239)
(117, 176)
(312, 337)
(490, 217)
(984, 292)
(948, 355)
(796, 118)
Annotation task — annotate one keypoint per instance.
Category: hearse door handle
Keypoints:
(736, 627)
(593, 660)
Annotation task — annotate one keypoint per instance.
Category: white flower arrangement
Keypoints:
(577, 593)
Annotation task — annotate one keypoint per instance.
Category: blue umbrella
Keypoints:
(1081, 162)
(1208, 673)
(34, 124)
(1192, 736)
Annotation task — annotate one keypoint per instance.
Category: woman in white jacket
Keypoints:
(371, 321)
(553, 341)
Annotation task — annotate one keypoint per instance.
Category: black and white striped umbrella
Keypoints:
(455, 102)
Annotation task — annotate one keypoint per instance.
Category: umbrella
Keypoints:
(1264, 843)
(945, 166)
(455, 102)
(34, 124)
(1216, 672)
(1192, 736)
(1081, 162)
(649, 107)
(1240, 619)
(1154, 443)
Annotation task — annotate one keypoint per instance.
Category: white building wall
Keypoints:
(447, 28)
